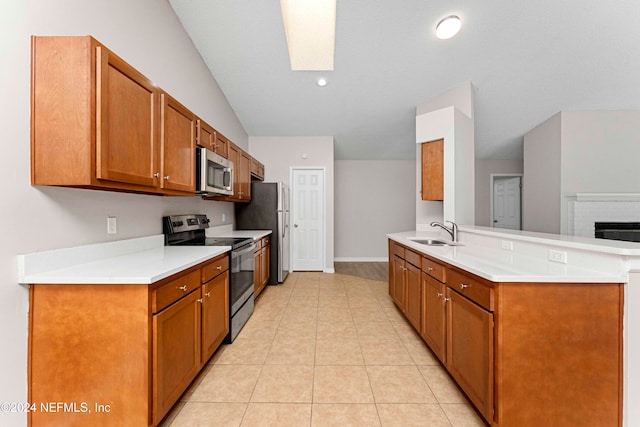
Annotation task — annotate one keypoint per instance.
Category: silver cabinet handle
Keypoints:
(462, 286)
(167, 178)
(183, 288)
(208, 294)
(446, 299)
(199, 300)
(156, 175)
(219, 267)
(439, 294)
(429, 268)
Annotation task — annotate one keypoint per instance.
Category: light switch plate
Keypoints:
(507, 245)
(112, 225)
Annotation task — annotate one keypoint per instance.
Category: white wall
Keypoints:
(448, 116)
(456, 128)
(484, 169)
(542, 181)
(600, 151)
(147, 34)
(280, 153)
(577, 152)
(462, 97)
(373, 198)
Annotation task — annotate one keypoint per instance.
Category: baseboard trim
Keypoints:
(360, 259)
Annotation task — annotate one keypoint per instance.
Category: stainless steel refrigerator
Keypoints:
(269, 210)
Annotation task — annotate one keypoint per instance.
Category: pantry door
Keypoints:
(307, 219)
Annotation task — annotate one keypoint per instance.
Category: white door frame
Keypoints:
(492, 179)
(324, 212)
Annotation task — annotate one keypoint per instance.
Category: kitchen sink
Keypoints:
(430, 242)
(434, 242)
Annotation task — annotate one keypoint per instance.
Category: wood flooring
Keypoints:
(366, 270)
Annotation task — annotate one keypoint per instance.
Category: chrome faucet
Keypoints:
(453, 231)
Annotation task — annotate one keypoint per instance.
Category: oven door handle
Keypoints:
(243, 250)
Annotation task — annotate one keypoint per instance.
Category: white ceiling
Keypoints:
(526, 59)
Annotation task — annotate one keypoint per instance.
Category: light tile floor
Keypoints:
(324, 350)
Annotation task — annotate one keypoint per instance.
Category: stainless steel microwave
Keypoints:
(214, 173)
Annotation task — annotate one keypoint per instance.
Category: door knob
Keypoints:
(295, 225)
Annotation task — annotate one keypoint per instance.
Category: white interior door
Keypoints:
(307, 219)
(506, 203)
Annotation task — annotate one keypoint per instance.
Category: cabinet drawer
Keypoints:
(412, 257)
(258, 244)
(265, 241)
(476, 289)
(398, 250)
(174, 290)
(215, 267)
(434, 269)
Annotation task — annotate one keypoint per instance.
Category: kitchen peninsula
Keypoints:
(535, 328)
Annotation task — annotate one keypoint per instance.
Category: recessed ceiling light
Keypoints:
(448, 27)
(310, 28)
(322, 82)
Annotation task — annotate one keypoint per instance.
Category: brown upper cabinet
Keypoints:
(257, 170)
(206, 135)
(96, 122)
(433, 170)
(210, 139)
(178, 146)
(221, 145)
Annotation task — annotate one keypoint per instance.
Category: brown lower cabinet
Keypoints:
(525, 354)
(262, 257)
(433, 329)
(405, 287)
(122, 354)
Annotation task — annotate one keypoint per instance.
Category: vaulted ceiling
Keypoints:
(526, 59)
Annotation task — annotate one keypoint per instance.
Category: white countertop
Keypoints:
(507, 266)
(617, 247)
(135, 261)
(253, 234)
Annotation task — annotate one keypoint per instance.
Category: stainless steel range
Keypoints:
(189, 230)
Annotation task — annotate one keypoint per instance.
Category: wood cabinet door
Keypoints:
(413, 301)
(126, 128)
(178, 146)
(397, 284)
(470, 350)
(221, 146)
(433, 170)
(215, 314)
(433, 328)
(257, 272)
(234, 156)
(205, 135)
(244, 176)
(266, 260)
(176, 352)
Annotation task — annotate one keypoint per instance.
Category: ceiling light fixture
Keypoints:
(322, 82)
(448, 27)
(310, 27)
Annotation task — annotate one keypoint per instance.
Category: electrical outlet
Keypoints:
(224, 217)
(112, 225)
(557, 256)
(507, 245)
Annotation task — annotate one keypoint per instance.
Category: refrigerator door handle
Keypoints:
(284, 224)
